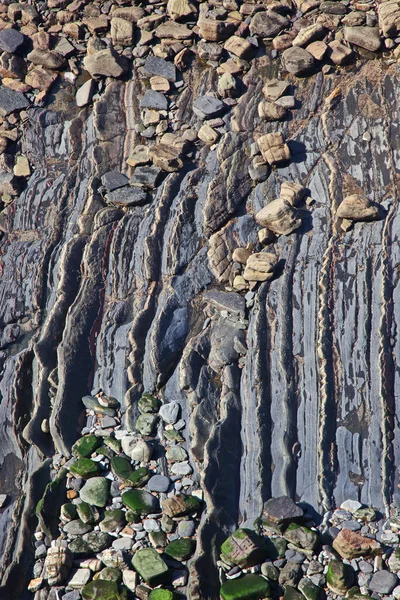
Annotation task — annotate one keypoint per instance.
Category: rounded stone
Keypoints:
(95, 491)
(159, 483)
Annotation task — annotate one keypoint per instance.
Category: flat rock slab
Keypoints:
(364, 37)
(10, 101)
(207, 107)
(127, 196)
(229, 301)
(297, 61)
(159, 66)
(154, 100)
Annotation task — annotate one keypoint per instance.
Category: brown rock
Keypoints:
(260, 267)
(122, 32)
(129, 13)
(46, 58)
(208, 135)
(292, 192)
(273, 148)
(58, 563)
(139, 156)
(274, 89)
(267, 24)
(213, 30)
(317, 49)
(350, 544)
(389, 18)
(309, 34)
(15, 84)
(357, 208)
(177, 9)
(279, 217)
(339, 53)
(238, 46)
(297, 61)
(165, 157)
(173, 30)
(12, 66)
(107, 63)
(241, 255)
(40, 78)
(23, 12)
(41, 40)
(281, 42)
(270, 111)
(159, 84)
(96, 24)
(364, 37)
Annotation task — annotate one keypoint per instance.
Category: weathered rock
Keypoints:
(274, 89)
(213, 30)
(238, 46)
(178, 9)
(122, 32)
(40, 78)
(208, 107)
(179, 506)
(297, 61)
(269, 111)
(244, 548)
(364, 37)
(101, 590)
(95, 491)
(85, 93)
(339, 53)
(106, 63)
(86, 445)
(85, 468)
(166, 157)
(309, 34)
(389, 18)
(58, 563)
(150, 566)
(280, 217)
(267, 24)
(140, 502)
(358, 208)
(11, 101)
(281, 511)
(301, 536)
(350, 544)
(160, 67)
(11, 40)
(273, 148)
(46, 58)
(260, 267)
(339, 577)
(169, 412)
(383, 582)
(249, 587)
(172, 30)
(290, 574)
(127, 196)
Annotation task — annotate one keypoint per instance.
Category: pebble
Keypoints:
(158, 483)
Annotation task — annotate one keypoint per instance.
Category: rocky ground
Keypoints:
(199, 216)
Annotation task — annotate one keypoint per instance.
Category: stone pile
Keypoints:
(131, 510)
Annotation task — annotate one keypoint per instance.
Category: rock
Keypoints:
(137, 449)
(91, 402)
(154, 100)
(3, 500)
(301, 536)
(292, 192)
(85, 468)
(96, 540)
(80, 577)
(339, 577)
(181, 468)
(22, 167)
(309, 34)
(280, 511)
(280, 217)
(213, 30)
(297, 61)
(113, 180)
(186, 528)
(106, 63)
(114, 559)
(208, 135)
(290, 574)
(85, 93)
(40, 78)
(160, 594)
(177, 9)
(149, 403)
(243, 548)
(122, 32)
(267, 24)
(273, 148)
(364, 37)
(389, 18)
(58, 563)
(249, 587)
(351, 505)
(140, 502)
(269, 111)
(101, 590)
(113, 520)
(383, 582)
(274, 89)
(12, 67)
(270, 571)
(317, 49)
(358, 208)
(292, 594)
(49, 59)
(86, 445)
(158, 483)
(95, 491)
(150, 566)
(146, 177)
(350, 544)
(77, 527)
(180, 506)
(239, 47)
(169, 412)
(139, 156)
(176, 453)
(208, 107)
(181, 549)
(11, 40)
(121, 467)
(9, 184)
(260, 267)
(139, 477)
(129, 579)
(165, 157)
(11, 101)
(146, 423)
(339, 53)
(127, 196)
(172, 30)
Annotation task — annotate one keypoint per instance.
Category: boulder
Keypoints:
(297, 61)
(350, 544)
(244, 548)
(249, 587)
(150, 566)
(260, 267)
(363, 37)
(358, 208)
(273, 148)
(280, 217)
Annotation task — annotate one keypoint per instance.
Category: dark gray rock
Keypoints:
(278, 511)
(114, 180)
(147, 177)
(383, 582)
(207, 107)
(155, 100)
(232, 302)
(297, 61)
(267, 24)
(11, 40)
(159, 66)
(11, 101)
(127, 196)
(159, 483)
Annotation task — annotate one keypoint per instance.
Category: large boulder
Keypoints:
(150, 566)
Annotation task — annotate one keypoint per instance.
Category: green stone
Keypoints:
(92, 403)
(100, 590)
(140, 502)
(86, 446)
(160, 594)
(150, 566)
(110, 574)
(244, 548)
(292, 594)
(249, 587)
(95, 491)
(301, 537)
(68, 512)
(105, 451)
(113, 443)
(97, 540)
(172, 435)
(132, 516)
(339, 577)
(355, 594)
(146, 423)
(85, 468)
(149, 404)
(176, 453)
(181, 549)
(121, 467)
(276, 547)
(79, 547)
(270, 571)
(158, 539)
(365, 514)
(167, 524)
(139, 477)
(309, 590)
(87, 513)
(113, 519)
(77, 527)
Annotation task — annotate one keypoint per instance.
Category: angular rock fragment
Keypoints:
(9, 183)
(273, 148)
(238, 46)
(122, 32)
(174, 31)
(11, 66)
(317, 49)
(158, 66)
(297, 61)
(208, 107)
(40, 78)
(339, 53)
(178, 9)
(269, 111)
(11, 101)
(260, 267)
(213, 30)
(11, 40)
(106, 63)
(292, 192)
(339, 577)
(179, 506)
(244, 548)
(301, 536)
(58, 563)
(113, 180)
(154, 100)
(389, 18)
(279, 217)
(281, 511)
(350, 544)
(139, 156)
(146, 177)
(267, 24)
(49, 59)
(364, 37)
(274, 89)
(127, 196)
(358, 208)
(150, 566)
(309, 34)
(99, 589)
(165, 157)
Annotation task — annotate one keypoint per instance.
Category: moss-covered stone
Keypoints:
(149, 404)
(339, 577)
(181, 549)
(79, 547)
(158, 539)
(150, 566)
(85, 468)
(97, 540)
(113, 520)
(249, 587)
(146, 423)
(87, 513)
(113, 443)
(86, 445)
(132, 516)
(105, 451)
(140, 502)
(172, 435)
(365, 514)
(302, 537)
(48, 507)
(244, 548)
(139, 477)
(68, 512)
(100, 590)
(95, 491)
(309, 590)
(160, 594)
(292, 594)
(109, 574)
(121, 467)
(276, 547)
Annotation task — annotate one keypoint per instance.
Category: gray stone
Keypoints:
(154, 100)
(176, 453)
(158, 483)
(181, 468)
(159, 66)
(207, 107)
(281, 510)
(169, 412)
(114, 180)
(95, 491)
(11, 100)
(77, 527)
(383, 582)
(85, 93)
(364, 37)
(11, 40)
(3, 500)
(74, 595)
(186, 528)
(267, 24)
(297, 61)
(127, 196)
(147, 177)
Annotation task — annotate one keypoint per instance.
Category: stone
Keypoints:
(358, 208)
(158, 66)
(208, 135)
(146, 177)
(121, 467)
(213, 30)
(309, 34)
(249, 587)
(154, 100)
(290, 574)
(274, 89)
(58, 563)
(239, 47)
(181, 469)
(178, 9)
(169, 412)
(383, 582)
(140, 501)
(151, 567)
(208, 107)
(281, 511)
(181, 549)
(97, 540)
(79, 547)
(351, 505)
(159, 84)
(129, 579)
(85, 93)
(22, 167)
(350, 544)
(100, 590)
(269, 111)
(260, 267)
(87, 513)
(339, 577)
(90, 402)
(137, 449)
(122, 32)
(160, 594)
(176, 453)
(292, 594)
(389, 18)
(139, 156)
(158, 483)
(301, 536)
(122, 543)
(12, 67)
(166, 157)
(339, 53)
(363, 37)
(85, 468)
(11, 40)
(243, 548)
(95, 491)
(280, 217)
(146, 423)
(77, 527)
(186, 528)
(139, 477)
(9, 184)
(49, 59)
(180, 506)
(40, 78)
(292, 192)
(127, 196)
(86, 445)
(241, 255)
(270, 571)
(317, 49)
(80, 577)
(297, 61)
(115, 559)
(113, 180)
(172, 30)
(11, 101)
(273, 148)
(113, 520)
(106, 63)
(267, 24)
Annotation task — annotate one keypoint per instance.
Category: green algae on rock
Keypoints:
(149, 404)
(121, 467)
(95, 491)
(244, 548)
(139, 477)
(161, 594)
(113, 520)
(140, 502)
(101, 590)
(249, 587)
(181, 549)
(85, 468)
(86, 445)
(150, 566)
